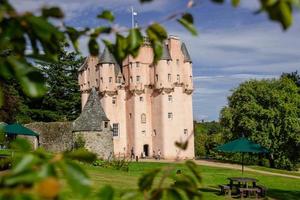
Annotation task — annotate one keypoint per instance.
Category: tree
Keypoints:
(268, 112)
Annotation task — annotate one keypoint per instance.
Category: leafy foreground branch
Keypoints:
(40, 175)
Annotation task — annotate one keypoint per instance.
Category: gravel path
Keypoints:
(225, 165)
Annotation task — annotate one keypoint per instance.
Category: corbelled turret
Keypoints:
(165, 54)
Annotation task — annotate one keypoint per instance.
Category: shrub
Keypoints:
(5, 163)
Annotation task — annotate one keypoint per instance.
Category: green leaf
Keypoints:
(156, 32)
(188, 25)
(182, 145)
(77, 178)
(23, 178)
(93, 46)
(108, 15)
(188, 17)
(81, 155)
(47, 170)
(172, 193)
(129, 195)
(218, 1)
(145, 1)
(158, 50)
(193, 168)
(286, 14)
(106, 193)
(24, 164)
(235, 3)
(99, 30)
(146, 181)
(134, 40)
(52, 12)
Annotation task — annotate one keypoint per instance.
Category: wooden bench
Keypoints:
(262, 190)
(225, 189)
(249, 192)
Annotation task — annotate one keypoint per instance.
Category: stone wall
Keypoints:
(54, 136)
(98, 142)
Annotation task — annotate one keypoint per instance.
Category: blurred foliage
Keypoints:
(114, 163)
(267, 112)
(79, 142)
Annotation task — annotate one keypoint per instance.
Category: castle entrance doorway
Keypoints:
(146, 150)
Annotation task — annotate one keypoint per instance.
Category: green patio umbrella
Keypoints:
(18, 129)
(241, 145)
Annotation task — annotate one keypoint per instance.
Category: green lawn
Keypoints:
(278, 187)
(5, 152)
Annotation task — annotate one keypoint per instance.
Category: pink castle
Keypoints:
(149, 106)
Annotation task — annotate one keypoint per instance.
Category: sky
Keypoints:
(233, 45)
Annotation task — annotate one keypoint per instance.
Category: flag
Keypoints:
(134, 13)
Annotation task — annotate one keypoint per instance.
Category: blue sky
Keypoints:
(233, 45)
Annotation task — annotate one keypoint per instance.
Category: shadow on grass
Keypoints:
(283, 194)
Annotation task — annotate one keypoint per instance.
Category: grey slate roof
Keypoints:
(165, 54)
(92, 115)
(107, 58)
(84, 65)
(186, 54)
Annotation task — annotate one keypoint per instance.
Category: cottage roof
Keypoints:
(165, 54)
(92, 115)
(185, 53)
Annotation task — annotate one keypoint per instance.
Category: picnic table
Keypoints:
(242, 181)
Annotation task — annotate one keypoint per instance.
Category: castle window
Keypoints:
(178, 78)
(97, 81)
(119, 79)
(110, 79)
(115, 129)
(114, 99)
(138, 78)
(185, 131)
(191, 78)
(137, 64)
(169, 77)
(143, 118)
(143, 132)
(170, 98)
(101, 80)
(154, 132)
(168, 62)
(88, 84)
(105, 124)
(170, 115)
(130, 79)
(177, 62)
(156, 77)
(141, 99)
(130, 115)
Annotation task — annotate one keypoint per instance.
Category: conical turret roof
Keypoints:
(107, 58)
(185, 53)
(165, 54)
(92, 115)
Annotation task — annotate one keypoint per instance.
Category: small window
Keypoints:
(177, 62)
(137, 64)
(130, 115)
(141, 99)
(88, 84)
(119, 79)
(143, 132)
(154, 132)
(191, 78)
(178, 78)
(130, 79)
(110, 79)
(170, 98)
(185, 131)
(170, 115)
(115, 129)
(114, 99)
(105, 124)
(138, 78)
(143, 118)
(168, 62)
(97, 81)
(169, 77)
(156, 77)
(101, 80)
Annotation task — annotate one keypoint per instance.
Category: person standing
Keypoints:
(132, 153)
(158, 154)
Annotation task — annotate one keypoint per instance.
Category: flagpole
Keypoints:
(132, 17)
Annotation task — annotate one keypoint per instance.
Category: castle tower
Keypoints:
(149, 105)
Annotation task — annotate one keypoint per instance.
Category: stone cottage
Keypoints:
(93, 127)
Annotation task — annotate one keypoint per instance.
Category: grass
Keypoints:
(279, 188)
(5, 152)
(294, 173)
